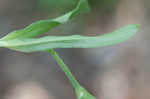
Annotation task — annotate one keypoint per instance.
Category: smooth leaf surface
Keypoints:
(37, 28)
(74, 41)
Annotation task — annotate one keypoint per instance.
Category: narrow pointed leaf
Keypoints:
(74, 41)
(37, 28)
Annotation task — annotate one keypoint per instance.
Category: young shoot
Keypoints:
(28, 40)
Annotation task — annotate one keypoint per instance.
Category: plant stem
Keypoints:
(66, 70)
(80, 91)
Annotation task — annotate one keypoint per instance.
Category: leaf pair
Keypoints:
(24, 40)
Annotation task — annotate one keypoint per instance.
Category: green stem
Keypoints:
(80, 91)
(66, 70)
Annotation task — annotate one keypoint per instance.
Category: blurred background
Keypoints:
(115, 72)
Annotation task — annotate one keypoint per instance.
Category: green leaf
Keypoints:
(74, 41)
(37, 28)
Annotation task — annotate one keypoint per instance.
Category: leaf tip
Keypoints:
(83, 6)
